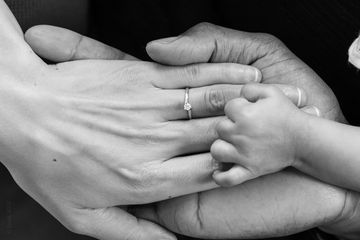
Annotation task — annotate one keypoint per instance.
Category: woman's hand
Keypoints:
(84, 136)
(267, 206)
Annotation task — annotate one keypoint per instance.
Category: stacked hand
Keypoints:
(85, 136)
(259, 135)
(274, 205)
(111, 129)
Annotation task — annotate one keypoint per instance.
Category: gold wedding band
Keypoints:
(187, 105)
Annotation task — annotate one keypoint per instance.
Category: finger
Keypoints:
(297, 95)
(205, 101)
(354, 53)
(224, 152)
(234, 176)
(114, 223)
(256, 92)
(194, 136)
(185, 175)
(199, 75)
(208, 43)
(226, 129)
(60, 45)
(312, 110)
(211, 100)
(233, 107)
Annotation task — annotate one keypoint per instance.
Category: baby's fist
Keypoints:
(259, 135)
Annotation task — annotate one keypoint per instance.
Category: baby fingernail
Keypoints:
(317, 111)
(312, 110)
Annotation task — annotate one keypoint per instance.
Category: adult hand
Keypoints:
(83, 137)
(301, 206)
(274, 205)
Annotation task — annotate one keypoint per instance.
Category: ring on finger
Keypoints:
(187, 105)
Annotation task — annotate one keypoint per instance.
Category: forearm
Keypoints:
(330, 151)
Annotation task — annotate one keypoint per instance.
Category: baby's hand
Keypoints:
(259, 135)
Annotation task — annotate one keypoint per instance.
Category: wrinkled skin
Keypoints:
(273, 205)
(283, 203)
(84, 136)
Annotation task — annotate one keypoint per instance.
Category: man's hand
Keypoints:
(336, 210)
(210, 43)
(274, 205)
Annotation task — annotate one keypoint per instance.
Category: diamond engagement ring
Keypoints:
(187, 105)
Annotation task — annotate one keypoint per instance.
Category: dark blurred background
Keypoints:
(318, 31)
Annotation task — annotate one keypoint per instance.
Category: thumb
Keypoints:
(181, 50)
(60, 45)
(206, 42)
(115, 224)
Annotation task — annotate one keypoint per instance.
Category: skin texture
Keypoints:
(354, 53)
(259, 136)
(91, 122)
(335, 210)
(273, 205)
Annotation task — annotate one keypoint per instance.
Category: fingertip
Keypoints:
(217, 148)
(180, 50)
(163, 51)
(50, 42)
(258, 75)
(223, 179)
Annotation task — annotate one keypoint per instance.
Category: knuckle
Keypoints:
(246, 113)
(217, 148)
(246, 89)
(237, 104)
(214, 100)
(133, 72)
(143, 180)
(221, 126)
(270, 43)
(230, 180)
(268, 38)
(192, 72)
(204, 26)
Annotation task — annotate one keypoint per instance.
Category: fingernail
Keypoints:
(299, 97)
(165, 40)
(317, 111)
(312, 110)
(258, 75)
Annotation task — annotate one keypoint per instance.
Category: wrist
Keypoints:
(302, 131)
(346, 225)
